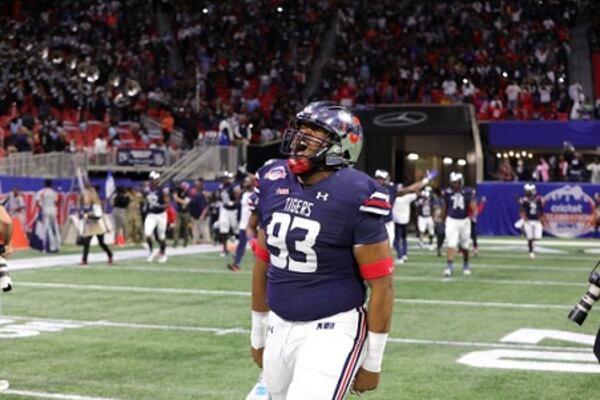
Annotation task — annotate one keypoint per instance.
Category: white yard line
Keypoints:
(43, 395)
(472, 279)
(133, 289)
(440, 265)
(239, 330)
(56, 260)
(154, 290)
(120, 255)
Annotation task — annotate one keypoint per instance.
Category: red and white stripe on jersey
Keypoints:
(378, 203)
(256, 183)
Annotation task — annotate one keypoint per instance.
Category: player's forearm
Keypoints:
(259, 287)
(381, 304)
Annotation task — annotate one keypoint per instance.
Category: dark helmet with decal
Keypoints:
(340, 149)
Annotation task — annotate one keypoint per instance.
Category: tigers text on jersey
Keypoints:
(532, 207)
(155, 201)
(311, 231)
(457, 202)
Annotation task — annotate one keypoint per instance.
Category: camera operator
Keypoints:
(579, 312)
(5, 248)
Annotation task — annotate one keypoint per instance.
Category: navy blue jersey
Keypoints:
(425, 206)
(457, 202)
(531, 207)
(392, 191)
(227, 192)
(311, 231)
(155, 201)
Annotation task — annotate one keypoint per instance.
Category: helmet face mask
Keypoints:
(323, 135)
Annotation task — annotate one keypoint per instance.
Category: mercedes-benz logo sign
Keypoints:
(400, 118)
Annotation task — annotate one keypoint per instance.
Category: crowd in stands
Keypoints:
(242, 68)
(508, 58)
(236, 71)
(569, 166)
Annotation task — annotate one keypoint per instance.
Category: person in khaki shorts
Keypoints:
(133, 215)
(94, 223)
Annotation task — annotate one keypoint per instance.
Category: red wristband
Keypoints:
(261, 253)
(377, 269)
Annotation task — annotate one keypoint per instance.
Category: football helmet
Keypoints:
(382, 174)
(226, 175)
(456, 180)
(154, 175)
(529, 189)
(340, 149)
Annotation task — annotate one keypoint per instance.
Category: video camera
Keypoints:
(579, 312)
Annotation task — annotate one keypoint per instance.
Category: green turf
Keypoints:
(148, 361)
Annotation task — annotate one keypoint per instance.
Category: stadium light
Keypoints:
(279, 9)
(524, 153)
(462, 162)
(205, 11)
(505, 155)
(413, 156)
(505, 74)
(511, 153)
(530, 155)
(498, 155)
(518, 155)
(448, 160)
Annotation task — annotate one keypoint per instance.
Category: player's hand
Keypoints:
(257, 356)
(431, 174)
(365, 381)
(8, 249)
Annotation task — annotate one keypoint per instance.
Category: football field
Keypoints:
(180, 330)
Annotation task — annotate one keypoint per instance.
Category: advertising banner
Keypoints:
(414, 119)
(570, 208)
(147, 157)
(545, 134)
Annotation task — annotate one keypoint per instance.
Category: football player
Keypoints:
(321, 241)
(6, 228)
(245, 226)
(383, 178)
(459, 206)
(228, 222)
(531, 211)
(425, 216)
(156, 202)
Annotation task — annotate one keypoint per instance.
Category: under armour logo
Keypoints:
(322, 196)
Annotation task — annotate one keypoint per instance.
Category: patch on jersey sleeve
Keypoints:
(378, 203)
(276, 173)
